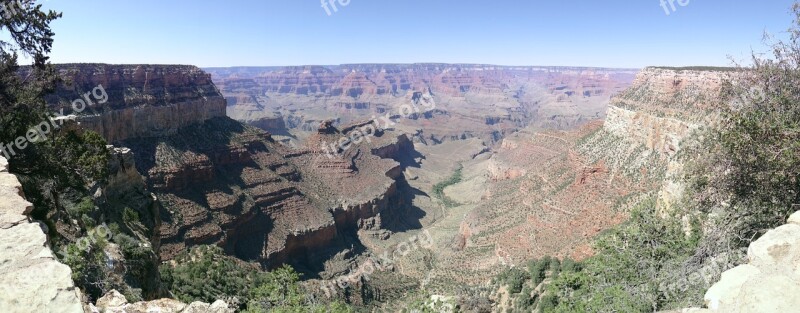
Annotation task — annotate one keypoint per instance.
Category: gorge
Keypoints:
(529, 184)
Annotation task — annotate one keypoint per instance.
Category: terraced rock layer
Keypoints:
(232, 185)
(471, 101)
(143, 100)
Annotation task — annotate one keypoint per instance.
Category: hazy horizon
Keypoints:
(608, 34)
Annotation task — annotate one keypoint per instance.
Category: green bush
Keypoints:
(85, 207)
(537, 269)
(206, 274)
(129, 216)
(438, 189)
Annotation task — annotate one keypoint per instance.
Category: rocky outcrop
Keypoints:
(115, 302)
(32, 280)
(768, 283)
(660, 110)
(137, 100)
(663, 106)
(228, 184)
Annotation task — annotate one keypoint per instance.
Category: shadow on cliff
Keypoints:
(311, 262)
(406, 216)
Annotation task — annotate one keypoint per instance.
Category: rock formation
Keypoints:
(220, 182)
(471, 101)
(663, 106)
(115, 302)
(232, 185)
(768, 283)
(143, 100)
(32, 280)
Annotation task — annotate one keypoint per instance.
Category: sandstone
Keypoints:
(32, 280)
(112, 299)
(727, 290)
(795, 218)
(778, 249)
(771, 280)
(162, 306)
(199, 307)
(114, 302)
(770, 294)
(142, 100)
(13, 208)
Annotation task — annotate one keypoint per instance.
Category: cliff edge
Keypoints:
(136, 101)
(769, 282)
(33, 280)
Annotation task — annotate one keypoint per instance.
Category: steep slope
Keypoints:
(551, 193)
(220, 182)
(140, 100)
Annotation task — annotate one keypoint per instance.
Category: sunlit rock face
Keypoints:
(130, 101)
(464, 100)
(33, 280)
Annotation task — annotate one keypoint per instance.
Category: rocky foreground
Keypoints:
(32, 279)
(769, 282)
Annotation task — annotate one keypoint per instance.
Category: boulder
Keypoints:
(770, 294)
(777, 250)
(727, 290)
(115, 302)
(795, 218)
(111, 300)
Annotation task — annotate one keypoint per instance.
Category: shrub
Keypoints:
(206, 274)
(129, 216)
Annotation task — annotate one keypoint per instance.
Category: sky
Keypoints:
(599, 33)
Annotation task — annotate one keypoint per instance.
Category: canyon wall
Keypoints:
(33, 280)
(220, 182)
(469, 100)
(663, 108)
(232, 185)
(142, 100)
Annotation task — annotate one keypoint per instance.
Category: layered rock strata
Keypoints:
(232, 185)
(136, 100)
(471, 100)
(663, 108)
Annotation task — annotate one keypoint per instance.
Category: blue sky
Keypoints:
(612, 33)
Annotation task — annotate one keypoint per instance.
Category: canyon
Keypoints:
(546, 159)
(471, 100)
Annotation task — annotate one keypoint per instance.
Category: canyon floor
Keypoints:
(506, 165)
